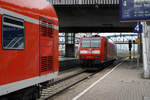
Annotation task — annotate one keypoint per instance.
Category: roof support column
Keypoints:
(146, 53)
(70, 45)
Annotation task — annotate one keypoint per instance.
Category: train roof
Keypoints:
(110, 41)
(94, 37)
(31, 8)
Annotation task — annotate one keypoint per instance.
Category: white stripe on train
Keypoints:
(8, 88)
(26, 18)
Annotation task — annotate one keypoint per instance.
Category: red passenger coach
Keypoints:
(96, 50)
(28, 47)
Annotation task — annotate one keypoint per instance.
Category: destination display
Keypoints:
(134, 10)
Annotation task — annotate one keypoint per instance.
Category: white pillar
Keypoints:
(145, 41)
(80, 1)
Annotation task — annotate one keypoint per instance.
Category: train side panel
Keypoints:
(35, 58)
(1, 69)
(103, 50)
(21, 64)
(111, 51)
(56, 53)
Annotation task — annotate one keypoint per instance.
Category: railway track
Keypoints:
(67, 82)
(63, 84)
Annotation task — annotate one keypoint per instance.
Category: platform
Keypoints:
(125, 82)
(66, 63)
(66, 59)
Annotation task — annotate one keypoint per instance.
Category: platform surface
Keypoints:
(123, 83)
(66, 59)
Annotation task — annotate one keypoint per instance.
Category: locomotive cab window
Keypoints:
(91, 42)
(85, 42)
(95, 42)
(13, 33)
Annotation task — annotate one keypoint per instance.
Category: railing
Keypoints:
(83, 2)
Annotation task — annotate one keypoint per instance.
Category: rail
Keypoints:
(66, 82)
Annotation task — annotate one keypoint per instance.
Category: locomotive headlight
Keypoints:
(83, 51)
(96, 51)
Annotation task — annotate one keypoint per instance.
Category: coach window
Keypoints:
(13, 33)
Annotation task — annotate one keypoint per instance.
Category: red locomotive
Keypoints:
(28, 47)
(96, 50)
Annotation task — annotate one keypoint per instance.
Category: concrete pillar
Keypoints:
(146, 53)
(140, 49)
(80, 1)
(69, 45)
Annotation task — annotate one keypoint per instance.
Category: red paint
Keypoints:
(18, 65)
(107, 51)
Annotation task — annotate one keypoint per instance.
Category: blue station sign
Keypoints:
(132, 10)
(138, 28)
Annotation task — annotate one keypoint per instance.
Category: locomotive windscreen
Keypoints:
(95, 42)
(85, 42)
(90, 42)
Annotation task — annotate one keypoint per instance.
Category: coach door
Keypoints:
(46, 46)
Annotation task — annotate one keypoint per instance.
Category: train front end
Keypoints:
(90, 51)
